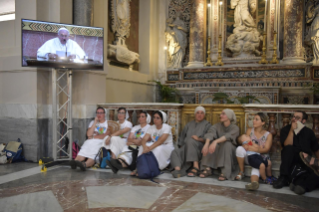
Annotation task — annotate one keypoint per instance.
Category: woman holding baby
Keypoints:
(254, 151)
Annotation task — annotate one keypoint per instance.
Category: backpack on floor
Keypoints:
(14, 151)
(147, 166)
(75, 149)
(103, 156)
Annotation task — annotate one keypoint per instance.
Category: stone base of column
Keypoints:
(289, 60)
(195, 64)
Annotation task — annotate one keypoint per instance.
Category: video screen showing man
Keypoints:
(61, 47)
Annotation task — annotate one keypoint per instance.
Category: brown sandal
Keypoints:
(222, 177)
(194, 171)
(307, 160)
(206, 172)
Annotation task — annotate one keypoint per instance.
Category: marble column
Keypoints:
(293, 20)
(197, 34)
(83, 12)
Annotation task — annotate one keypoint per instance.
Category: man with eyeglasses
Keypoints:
(61, 47)
(296, 138)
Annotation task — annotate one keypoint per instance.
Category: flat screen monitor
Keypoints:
(61, 46)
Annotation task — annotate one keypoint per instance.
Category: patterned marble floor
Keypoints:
(25, 188)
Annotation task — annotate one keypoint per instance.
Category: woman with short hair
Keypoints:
(220, 146)
(185, 160)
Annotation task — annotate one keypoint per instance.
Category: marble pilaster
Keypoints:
(83, 12)
(197, 34)
(293, 21)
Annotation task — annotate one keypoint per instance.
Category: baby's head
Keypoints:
(243, 138)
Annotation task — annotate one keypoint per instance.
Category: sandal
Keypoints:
(206, 172)
(222, 177)
(240, 176)
(176, 173)
(191, 171)
(311, 162)
(134, 173)
(80, 164)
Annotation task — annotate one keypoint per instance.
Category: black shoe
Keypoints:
(281, 182)
(297, 189)
(72, 164)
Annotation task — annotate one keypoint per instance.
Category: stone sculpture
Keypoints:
(244, 41)
(175, 35)
(312, 38)
(120, 21)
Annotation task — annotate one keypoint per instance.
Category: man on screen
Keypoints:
(61, 47)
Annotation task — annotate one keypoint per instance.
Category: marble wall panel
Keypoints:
(26, 130)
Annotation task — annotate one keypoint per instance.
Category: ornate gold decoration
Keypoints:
(209, 62)
(274, 56)
(219, 59)
(263, 56)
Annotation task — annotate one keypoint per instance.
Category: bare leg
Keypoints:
(254, 178)
(241, 163)
(113, 156)
(79, 158)
(177, 168)
(90, 162)
(268, 170)
(262, 171)
(123, 164)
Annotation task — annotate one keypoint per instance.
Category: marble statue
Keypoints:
(120, 24)
(175, 35)
(244, 42)
(312, 38)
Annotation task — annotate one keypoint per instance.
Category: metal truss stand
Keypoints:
(62, 114)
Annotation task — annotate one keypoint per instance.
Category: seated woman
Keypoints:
(260, 135)
(191, 142)
(220, 146)
(159, 140)
(117, 141)
(96, 133)
(126, 157)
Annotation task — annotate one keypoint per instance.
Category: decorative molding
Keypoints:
(54, 28)
(244, 74)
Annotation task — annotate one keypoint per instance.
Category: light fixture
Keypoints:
(208, 5)
(165, 47)
(220, 3)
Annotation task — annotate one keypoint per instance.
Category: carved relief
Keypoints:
(120, 24)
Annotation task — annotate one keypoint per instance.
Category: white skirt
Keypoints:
(117, 144)
(162, 154)
(91, 147)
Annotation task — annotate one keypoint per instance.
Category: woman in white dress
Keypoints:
(96, 133)
(127, 157)
(117, 141)
(159, 140)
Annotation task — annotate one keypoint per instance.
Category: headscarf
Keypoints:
(148, 119)
(164, 116)
(200, 108)
(230, 115)
(127, 115)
